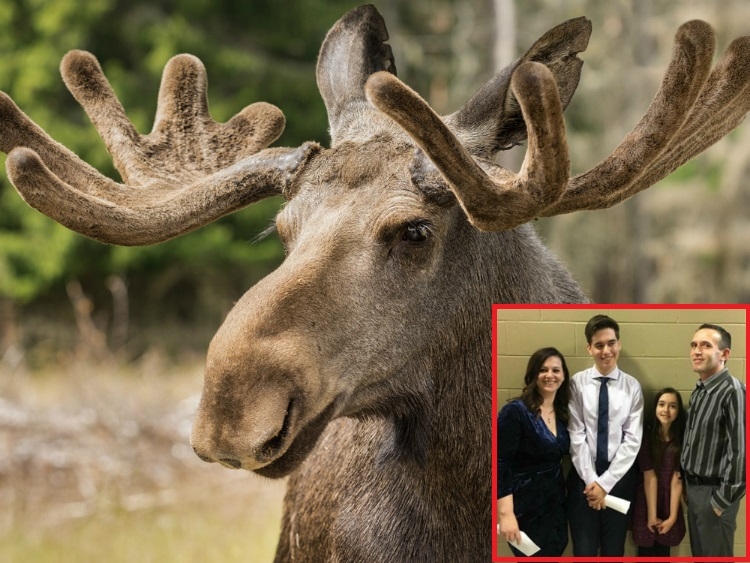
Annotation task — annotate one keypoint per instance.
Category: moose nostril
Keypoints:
(226, 461)
(271, 447)
(203, 457)
(231, 462)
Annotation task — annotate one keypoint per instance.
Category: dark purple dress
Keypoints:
(642, 536)
(528, 466)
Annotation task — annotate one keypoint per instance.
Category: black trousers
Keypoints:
(598, 532)
(656, 550)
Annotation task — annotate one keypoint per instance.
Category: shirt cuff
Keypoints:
(606, 481)
(718, 502)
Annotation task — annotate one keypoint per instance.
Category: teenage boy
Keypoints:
(605, 426)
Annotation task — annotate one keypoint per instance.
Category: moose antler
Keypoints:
(189, 171)
(692, 110)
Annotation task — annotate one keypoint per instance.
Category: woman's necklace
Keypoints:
(547, 415)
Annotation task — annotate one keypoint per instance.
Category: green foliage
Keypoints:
(263, 50)
(33, 249)
(709, 172)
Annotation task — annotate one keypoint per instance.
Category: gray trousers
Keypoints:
(710, 535)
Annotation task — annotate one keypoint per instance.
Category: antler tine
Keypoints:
(17, 130)
(691, 111)
(172, 214)
(185, 139)
(722, 106)
(504, 200)
(187, 172)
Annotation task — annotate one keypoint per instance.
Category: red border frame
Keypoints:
(600, 306)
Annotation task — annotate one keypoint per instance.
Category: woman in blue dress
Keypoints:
(532, 438)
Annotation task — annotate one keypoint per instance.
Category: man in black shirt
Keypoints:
(713, 455)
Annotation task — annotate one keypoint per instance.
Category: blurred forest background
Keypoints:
(101, 346)
(682, 241)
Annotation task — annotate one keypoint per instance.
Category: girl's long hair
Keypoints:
(666, 447)
(530, 394)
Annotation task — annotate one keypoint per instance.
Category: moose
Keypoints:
(361, 367)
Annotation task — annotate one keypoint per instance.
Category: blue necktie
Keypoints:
(602, 430)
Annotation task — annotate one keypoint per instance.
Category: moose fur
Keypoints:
(361, 367)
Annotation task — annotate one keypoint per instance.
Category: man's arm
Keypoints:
(580, 453)
(732, 486)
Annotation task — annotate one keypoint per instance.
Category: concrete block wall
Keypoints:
(655, 350)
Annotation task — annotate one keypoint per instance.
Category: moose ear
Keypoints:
(354, 49)
(491, 120)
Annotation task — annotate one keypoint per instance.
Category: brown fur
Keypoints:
(361, 367)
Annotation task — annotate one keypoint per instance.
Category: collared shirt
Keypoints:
(714, 445)
(625, 424)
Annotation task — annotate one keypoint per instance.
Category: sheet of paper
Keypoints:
(525, 546)
(617, 503)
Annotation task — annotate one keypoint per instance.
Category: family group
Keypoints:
(692, 456)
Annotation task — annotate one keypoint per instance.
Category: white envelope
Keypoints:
(525, 546)
(617, 503)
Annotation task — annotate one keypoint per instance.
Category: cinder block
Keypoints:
(572, 315)
(510, 372)
(643, 315)
(662, 339)
(719, 316)
(501, 337)
(503, 395)
(524, 338)
(577, 364)
(655, 373)
(632, 339)
(515, 314)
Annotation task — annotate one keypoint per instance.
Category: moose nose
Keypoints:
(251, 441)
(225, 461)
(232, 463)
(203, 457)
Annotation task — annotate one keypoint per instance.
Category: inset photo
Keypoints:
(620, 432)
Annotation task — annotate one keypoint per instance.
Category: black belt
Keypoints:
(701, 481)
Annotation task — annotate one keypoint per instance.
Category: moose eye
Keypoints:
(416, 233)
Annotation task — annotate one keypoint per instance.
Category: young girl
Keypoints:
(658, 522)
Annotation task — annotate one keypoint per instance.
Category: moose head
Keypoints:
(398, 238)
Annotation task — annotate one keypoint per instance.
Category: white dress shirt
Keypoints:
(625, 424)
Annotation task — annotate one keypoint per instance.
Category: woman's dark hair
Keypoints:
(530, 394)
(665, 447)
